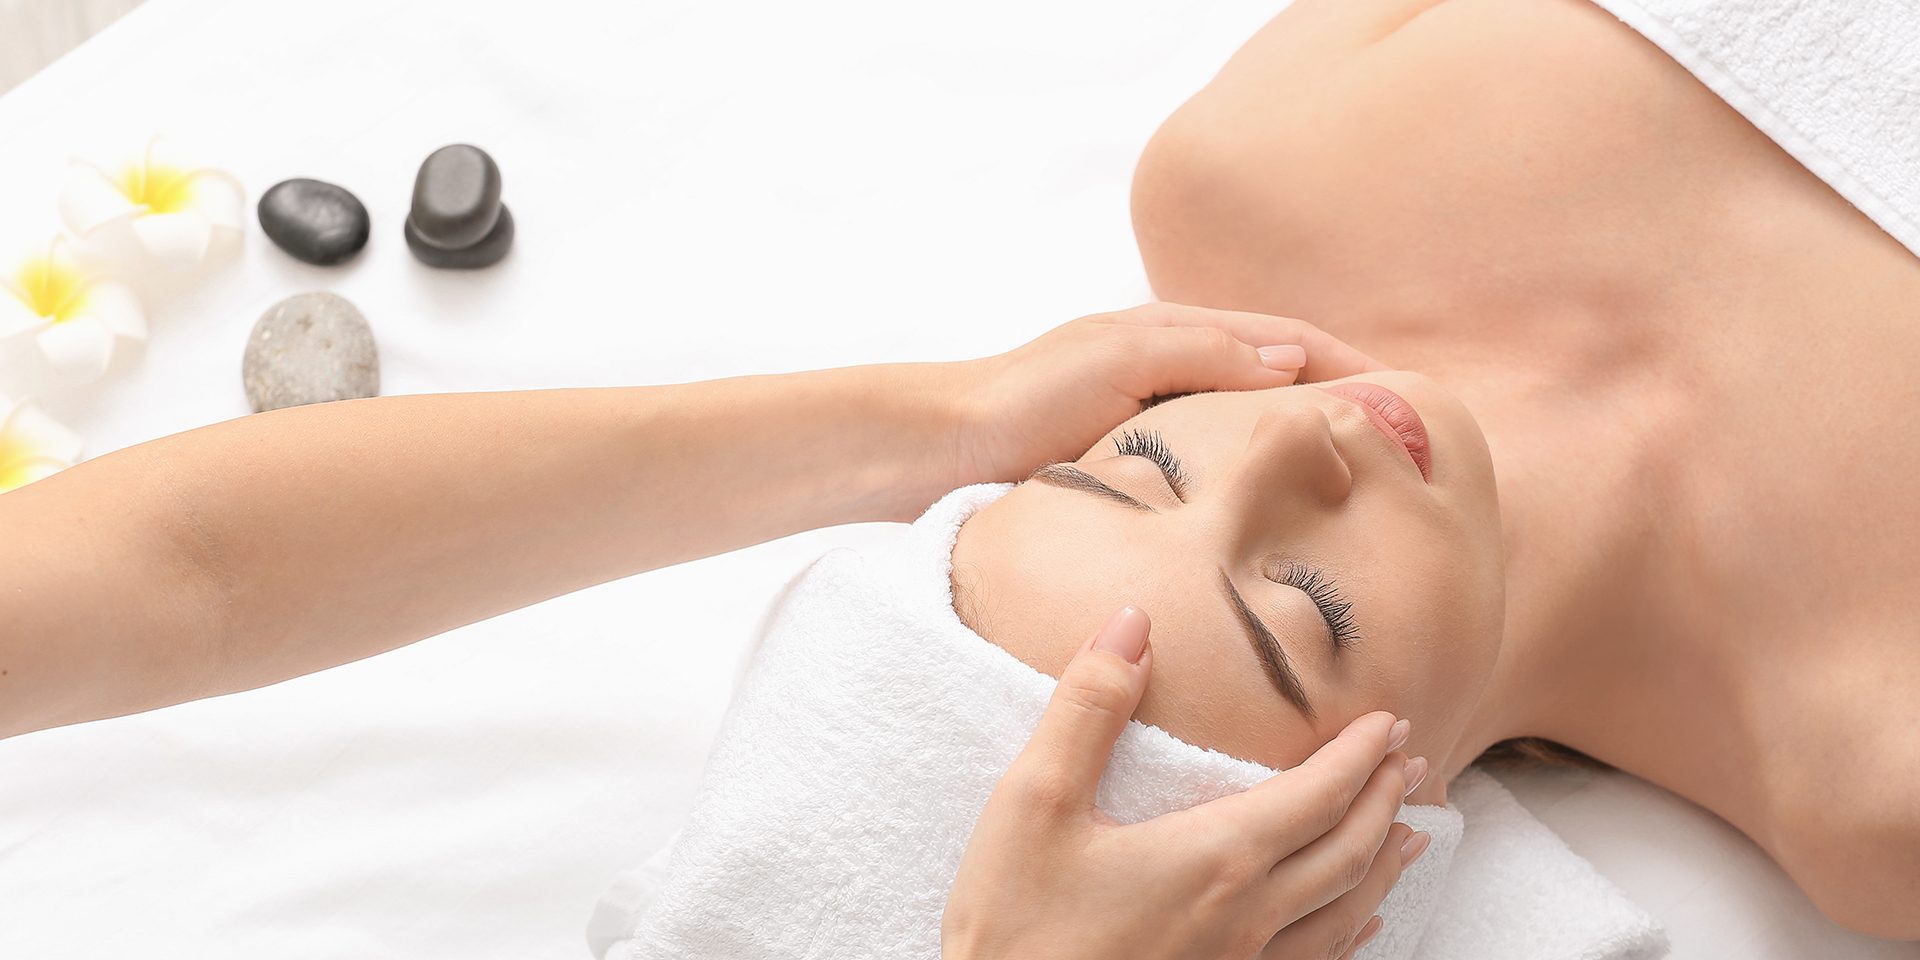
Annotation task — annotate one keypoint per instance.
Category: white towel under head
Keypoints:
(869, 731)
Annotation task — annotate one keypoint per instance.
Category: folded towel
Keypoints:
(1836, 83)
(869, 731)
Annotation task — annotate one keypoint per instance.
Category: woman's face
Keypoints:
(1300, 565)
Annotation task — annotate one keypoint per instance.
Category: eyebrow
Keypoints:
(1069, 477)
(1267, 647)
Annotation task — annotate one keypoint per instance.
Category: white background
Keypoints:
(34, 32)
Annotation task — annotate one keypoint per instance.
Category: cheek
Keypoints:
(1434, 648)
(1466, 601)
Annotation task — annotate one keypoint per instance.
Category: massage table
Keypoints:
(701, 190)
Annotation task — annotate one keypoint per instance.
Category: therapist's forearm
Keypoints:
(263, 548)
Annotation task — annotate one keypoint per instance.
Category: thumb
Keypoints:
(1091, 705)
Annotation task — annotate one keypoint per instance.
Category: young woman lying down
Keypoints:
(1650, 495)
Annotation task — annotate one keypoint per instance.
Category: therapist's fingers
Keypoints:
(1345, 925)
(1327, 356)
(1172, 360)
(1340, 860)
(1061, 765)
(1366, 935)
(1289, 810)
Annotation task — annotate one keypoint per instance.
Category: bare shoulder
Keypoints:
(1859, 859)
(1844, 785)
(1386, 159)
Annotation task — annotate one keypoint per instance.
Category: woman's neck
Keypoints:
(1587, 451)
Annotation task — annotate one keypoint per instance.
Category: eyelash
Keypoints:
(1148, 444)
(1336, 611)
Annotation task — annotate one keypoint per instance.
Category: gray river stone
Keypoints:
(310, 348)
(314, 221)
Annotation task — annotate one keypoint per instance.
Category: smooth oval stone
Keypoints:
(456, 197)
(310, 348)
(486, 253)
(314, 221)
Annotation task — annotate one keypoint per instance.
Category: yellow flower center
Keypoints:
(159, 189)
(54, 291)
(15, 459)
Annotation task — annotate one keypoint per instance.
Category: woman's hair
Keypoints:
(1531, 751)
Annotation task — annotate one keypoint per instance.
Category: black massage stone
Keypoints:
(486, 253)
(457, 220)
(314, 221)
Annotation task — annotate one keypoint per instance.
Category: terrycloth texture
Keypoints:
(869, 732)
(1515, 890)
(1835, 82)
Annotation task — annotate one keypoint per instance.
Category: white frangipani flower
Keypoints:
(172, 214)
(75, 320)
(32, 444)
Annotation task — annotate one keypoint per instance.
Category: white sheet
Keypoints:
(701, 190)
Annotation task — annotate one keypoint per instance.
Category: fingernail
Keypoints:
(1413, 848)
(1416, 771)
(1284, 356)
(1125, 634)
(1368, 932)
(1401, 730)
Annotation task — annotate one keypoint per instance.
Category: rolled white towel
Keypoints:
(873, 724)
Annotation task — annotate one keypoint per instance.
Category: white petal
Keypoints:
(16, 317)
(60, 254)
(115, 306)
(175, 239)
(40, 468)
(89, 199)
(161, 153)
(30, 428)
(78, 349)
(220, 197)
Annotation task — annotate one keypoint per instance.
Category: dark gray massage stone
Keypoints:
(314, 221)
(309, 348)
(486, 253)
(456, 197)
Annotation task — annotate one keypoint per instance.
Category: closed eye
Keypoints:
(1149, 444)
(1336, 610)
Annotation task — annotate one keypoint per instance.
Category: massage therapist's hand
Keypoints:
(1293, 868)
(1056, 396)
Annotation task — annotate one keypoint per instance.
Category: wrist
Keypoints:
(915, 422)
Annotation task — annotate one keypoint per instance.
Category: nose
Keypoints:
(1291, 460)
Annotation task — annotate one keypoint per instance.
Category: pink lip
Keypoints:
(1392, 415)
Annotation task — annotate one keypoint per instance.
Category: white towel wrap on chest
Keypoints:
(1836, 83)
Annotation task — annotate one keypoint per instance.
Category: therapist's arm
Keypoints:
(263, 548)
